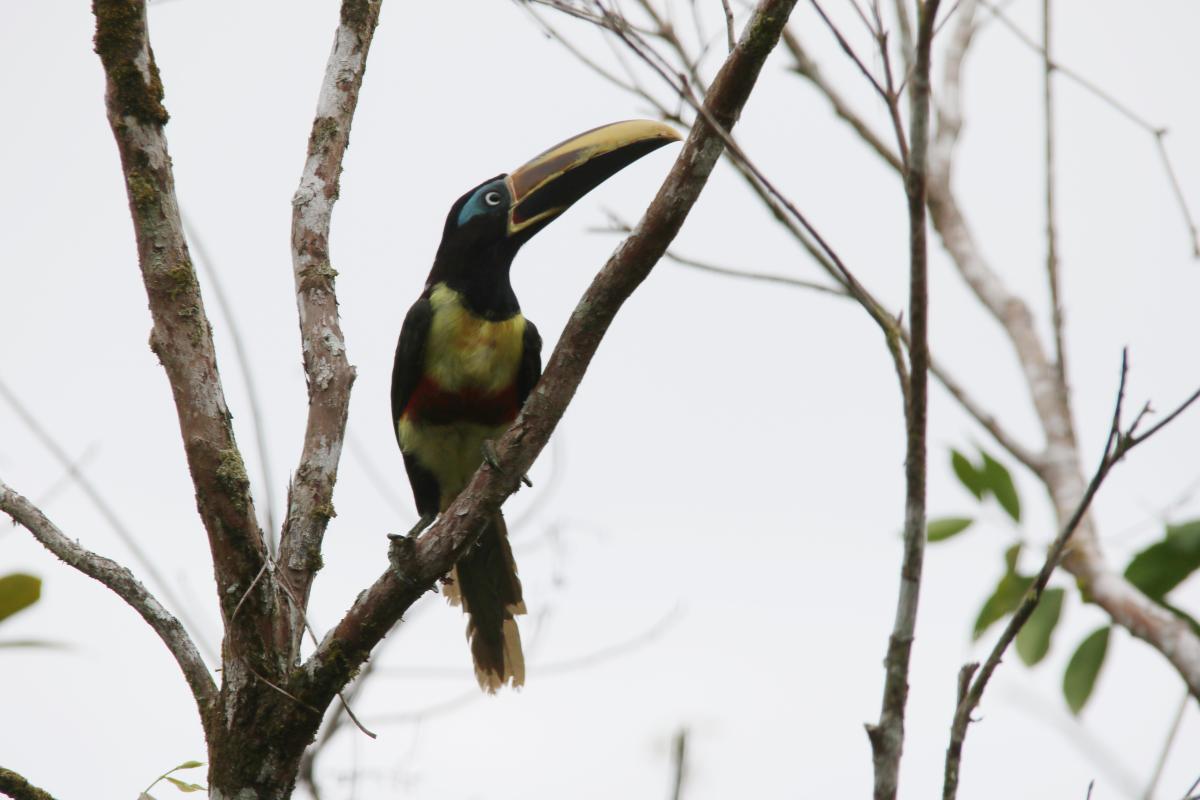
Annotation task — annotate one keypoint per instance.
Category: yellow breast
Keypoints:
(468, 352)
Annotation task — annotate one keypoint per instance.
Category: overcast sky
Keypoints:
(726, 488)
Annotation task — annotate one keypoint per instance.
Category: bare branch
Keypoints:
(1161, 763)
(1119, 442)
(887, 736)
(328, 372)
(1052, 265)
(418, 564)
(848, 50)
(1158, 132)
(122, 582)
(620, 226)
(731, 39)
(181, 335)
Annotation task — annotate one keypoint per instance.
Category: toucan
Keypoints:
(467, 360)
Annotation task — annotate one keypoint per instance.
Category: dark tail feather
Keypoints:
(485, 582)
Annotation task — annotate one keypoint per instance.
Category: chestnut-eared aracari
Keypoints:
(467, 359)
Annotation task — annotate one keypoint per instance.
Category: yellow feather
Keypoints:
(465, 351)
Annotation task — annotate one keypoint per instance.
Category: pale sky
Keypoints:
(732, 462)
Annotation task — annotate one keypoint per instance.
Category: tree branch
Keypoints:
(1063, 472)
(1052, 266)
(122, 582)
(1118, 443)
(181, 336)
(418, 563)
(328, 372)
(887, 736)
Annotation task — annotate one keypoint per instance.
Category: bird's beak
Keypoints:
(546, 186)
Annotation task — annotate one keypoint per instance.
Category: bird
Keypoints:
(467, 359)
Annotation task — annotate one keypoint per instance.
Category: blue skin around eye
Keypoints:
(475, 205)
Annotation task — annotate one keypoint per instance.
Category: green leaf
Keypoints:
(1168, 562)
(1080, 678)
(1003, 601)
(145, 796)
(1000, 484)
(1010, 557)
(939, 530)
(1033, 640)
(18, 591)
(184, 786)
(968, 475)
(189, 765)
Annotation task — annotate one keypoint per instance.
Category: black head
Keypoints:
(487, 226)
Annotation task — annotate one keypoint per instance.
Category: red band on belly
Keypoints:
(433, 405)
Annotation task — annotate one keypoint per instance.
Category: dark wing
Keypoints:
(530, 368)
(410, 356)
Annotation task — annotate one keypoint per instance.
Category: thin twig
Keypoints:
(618, 225)
(384, 487)
(1118, 443)
(1161, 763)
(1156, 131)
(1052, 265)
(67, 477)
(297, 608)
(1161, 145)
(729, 33)
(209, 267)
(849, 51)
(892, 96)
(678, 763)
(283, 691)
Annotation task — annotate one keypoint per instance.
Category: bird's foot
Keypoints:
(488, 448)
(424, 522)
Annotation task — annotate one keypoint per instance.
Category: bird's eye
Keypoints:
(492, 198)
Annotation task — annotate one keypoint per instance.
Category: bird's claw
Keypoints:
(488, 448)
(424, 522)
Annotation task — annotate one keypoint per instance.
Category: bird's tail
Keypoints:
(485, 582)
